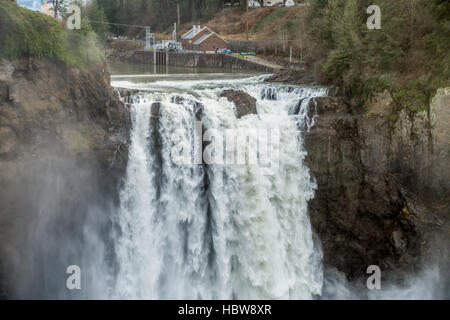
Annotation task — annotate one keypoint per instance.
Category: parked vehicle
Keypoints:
(227, 51)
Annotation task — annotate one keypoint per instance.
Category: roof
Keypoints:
(203, 38)
(206, 36)
(189, 35)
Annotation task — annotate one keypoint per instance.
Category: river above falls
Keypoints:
(138, 72)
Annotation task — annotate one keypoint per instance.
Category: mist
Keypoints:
(57, 216)
(431, 283)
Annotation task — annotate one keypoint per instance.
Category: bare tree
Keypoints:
(58, 6)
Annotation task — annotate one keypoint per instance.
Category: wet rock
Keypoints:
(4, 92)
(292, 76)
(399, 241)
(245, 103)
(64, 137)
(269, 94)
(155, 109)
(74, 109)
(8, 140)
(199, 111)
(440, 134)
(382, 188)
(178, 100)
(127, 96)
(310, 104)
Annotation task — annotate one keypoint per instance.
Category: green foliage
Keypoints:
(209, 7)
(99, 21)
(159, 14)
(127, 45)
(414, 94)
(377, 84)
(409, 56)
(82, 45)
(26, 33)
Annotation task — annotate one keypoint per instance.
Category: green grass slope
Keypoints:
(25, 33)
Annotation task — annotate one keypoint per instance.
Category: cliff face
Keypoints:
(44, 103)
(383, 183)
(63, 150)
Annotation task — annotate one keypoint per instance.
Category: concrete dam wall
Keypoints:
(198, 60)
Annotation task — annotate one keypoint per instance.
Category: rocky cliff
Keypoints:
(383, 183)
(63, 150)
(46, 103)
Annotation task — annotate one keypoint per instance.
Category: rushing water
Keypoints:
(222, 230)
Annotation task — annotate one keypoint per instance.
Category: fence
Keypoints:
(269, 47)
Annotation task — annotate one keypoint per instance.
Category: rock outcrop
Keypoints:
(301, 77)
(383, 183)
(245, 103)
(64, 136)
(43, 102)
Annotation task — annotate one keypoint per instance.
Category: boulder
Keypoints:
(301, 77)
(245, 103)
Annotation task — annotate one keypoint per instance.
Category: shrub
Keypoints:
(25, 33)
(412, 48)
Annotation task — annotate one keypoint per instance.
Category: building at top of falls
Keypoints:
(271, 3)
(202, 39)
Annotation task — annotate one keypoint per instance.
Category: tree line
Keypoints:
(409, 55)
(159, 14)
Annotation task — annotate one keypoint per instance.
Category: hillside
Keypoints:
(409, 56)
(25, 33)
(264, 23)
(274, 29)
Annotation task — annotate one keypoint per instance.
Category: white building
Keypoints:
(253, 4)
(289, 3)
(267, 3)
(271, 3)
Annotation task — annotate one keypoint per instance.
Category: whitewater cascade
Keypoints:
(217, 231)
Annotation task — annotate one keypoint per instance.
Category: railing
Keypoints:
(296, 48)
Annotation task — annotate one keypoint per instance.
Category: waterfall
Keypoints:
(219, 230)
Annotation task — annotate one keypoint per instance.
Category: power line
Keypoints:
(262, 40)
(118, 24)
(136, 26)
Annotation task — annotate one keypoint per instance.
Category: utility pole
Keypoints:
(178, 13)
(290, 54)
(148, 36)
(247, 20)
(174, 34)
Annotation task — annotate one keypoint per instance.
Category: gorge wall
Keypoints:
(63, 150)
(382, 177)
(383, 183)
